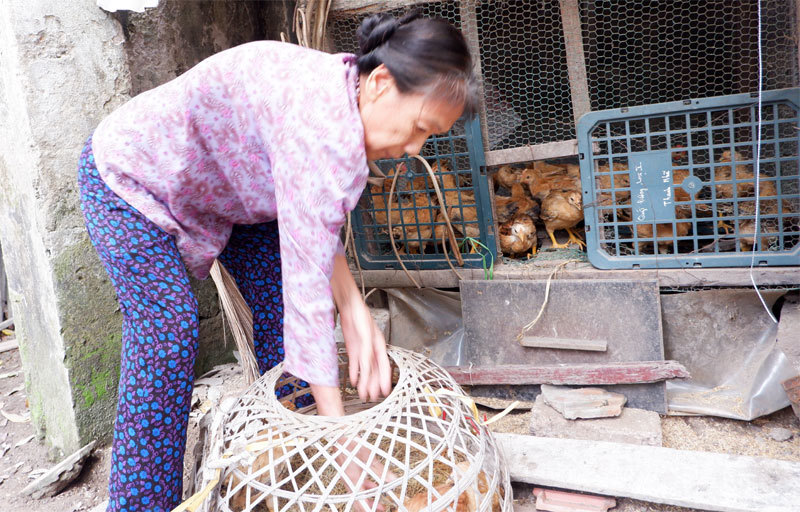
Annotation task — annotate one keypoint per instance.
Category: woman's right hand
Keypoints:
(353, 471)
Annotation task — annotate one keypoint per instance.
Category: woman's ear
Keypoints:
(379, 81)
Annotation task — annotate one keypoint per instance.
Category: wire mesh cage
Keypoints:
(412, 216)
(262, 455)
(544, 64)
(675, 184)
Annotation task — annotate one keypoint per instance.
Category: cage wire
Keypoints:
(262, 455)
(636, 53)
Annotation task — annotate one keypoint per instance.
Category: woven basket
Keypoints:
(260, 455)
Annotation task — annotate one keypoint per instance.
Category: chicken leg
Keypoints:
(572, 240)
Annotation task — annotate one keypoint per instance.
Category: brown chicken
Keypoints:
(268, 459)
(467, 501)
(461, 208)
(562, 209)
(621, 182)
(518, 235)
(540, 184)
(663, 231)
(508, 207)
(747, 227)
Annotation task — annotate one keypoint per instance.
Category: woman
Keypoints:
(254, 156)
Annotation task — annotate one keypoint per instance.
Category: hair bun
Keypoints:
(375, 30)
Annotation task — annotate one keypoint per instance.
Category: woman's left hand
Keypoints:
(370, 371)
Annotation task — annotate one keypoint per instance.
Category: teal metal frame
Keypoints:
(462, 153)
(675, 200)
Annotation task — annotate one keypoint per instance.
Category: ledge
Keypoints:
(667, 278)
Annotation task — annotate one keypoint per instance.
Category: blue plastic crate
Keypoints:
(673, 185)
(417, 227)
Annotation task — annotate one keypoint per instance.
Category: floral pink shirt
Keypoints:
(262, 131)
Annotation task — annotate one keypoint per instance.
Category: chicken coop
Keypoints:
(667, 84)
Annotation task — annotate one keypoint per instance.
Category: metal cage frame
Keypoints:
(650, 203)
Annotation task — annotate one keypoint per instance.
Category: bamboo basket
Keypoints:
(260, 454)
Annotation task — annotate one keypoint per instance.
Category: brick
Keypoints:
(561, 501)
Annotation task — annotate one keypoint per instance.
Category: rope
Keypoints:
(443, 208)
(756, 242)
(391, 236)
(546, 298)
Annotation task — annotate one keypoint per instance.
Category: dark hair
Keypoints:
(424, 55)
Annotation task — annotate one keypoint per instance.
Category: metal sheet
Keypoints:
(728, 343)
(626, 313)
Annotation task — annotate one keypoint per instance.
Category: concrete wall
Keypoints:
(63, 66)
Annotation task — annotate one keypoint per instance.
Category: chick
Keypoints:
(747, 226)
(417, 222)
(507, 207)
(562, 209)
(663, 236)
(621, 184)
(743, 172)
(518, 235)
(747, 188)
(506, 176)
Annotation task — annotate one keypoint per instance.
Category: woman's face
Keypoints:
(396, 123)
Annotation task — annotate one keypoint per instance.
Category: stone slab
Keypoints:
(634, 426)
(583, 402)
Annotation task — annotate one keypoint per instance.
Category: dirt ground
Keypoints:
(19, 465)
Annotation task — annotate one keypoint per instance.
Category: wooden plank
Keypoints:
(576, 61)
(640, 372)
(8, 345)
(667, 278)
(350, 7)
(564, 343)
(530, 153)
(699, 480)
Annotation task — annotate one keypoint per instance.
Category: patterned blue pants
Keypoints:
(159, 335)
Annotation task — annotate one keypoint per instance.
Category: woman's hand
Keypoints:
(353, 471)
(370, 371)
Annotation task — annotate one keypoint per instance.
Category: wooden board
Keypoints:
(626, 313)
(575, 374)
(667, 278)
(564, 343)
(701, 480)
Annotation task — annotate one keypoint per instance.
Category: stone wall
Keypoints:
(63, 67)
